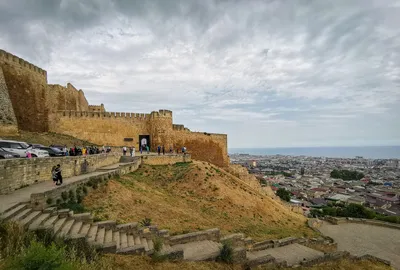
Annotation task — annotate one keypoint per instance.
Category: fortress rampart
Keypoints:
(43, 107)
(11, 59)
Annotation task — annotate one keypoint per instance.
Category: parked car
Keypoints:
(53, 152)
(5, 154)
(21, 148)
(36, 145)
(60, 147)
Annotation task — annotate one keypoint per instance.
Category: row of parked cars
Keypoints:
(16, 149)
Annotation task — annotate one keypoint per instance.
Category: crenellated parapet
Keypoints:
(97, 108)
(93, 114)
(180, 128)
(161, 113)
(7, 57)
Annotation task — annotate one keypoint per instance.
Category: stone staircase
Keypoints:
(131, 238)
(106, 236)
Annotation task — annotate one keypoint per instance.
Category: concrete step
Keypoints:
(137, 249)
(38, 221)
(59, 224)
(92, 233)
(22, 214)
(30, 218)
(76, 228)
(66, 228)
(131, 241)
(150, 244)
(108, 237)
(100, 235)
(116, 239)
(50, 221)
(144, 243)
(13, 211)
(51, 210)
(123, 240)
(200, 250)
(137, 240)
(85, 229)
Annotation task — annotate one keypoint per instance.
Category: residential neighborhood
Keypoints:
(309, 181)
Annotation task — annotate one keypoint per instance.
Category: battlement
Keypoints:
(122, 115)
(179, 128)
(97, 108)
(161, 113)
(7, 57)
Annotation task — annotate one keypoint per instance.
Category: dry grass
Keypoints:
(344, 264)
(125, 262)
(322, 247)
(195, 196)
(47, 138)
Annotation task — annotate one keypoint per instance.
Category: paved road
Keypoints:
(361, 239)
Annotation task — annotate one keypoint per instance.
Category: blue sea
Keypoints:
(373, 152)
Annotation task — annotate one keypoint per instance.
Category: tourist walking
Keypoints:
(58, 175)
(184, 150)
(170, 150)
(147, 149)
(133, 151)
(54, 175)
(28, 154)
(159, 150)
(124, 150)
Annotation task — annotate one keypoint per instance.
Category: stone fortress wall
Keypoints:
(43, 107)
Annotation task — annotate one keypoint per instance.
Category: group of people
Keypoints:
(132, 151)
(160, 149)
(56, 175)
(86, 150)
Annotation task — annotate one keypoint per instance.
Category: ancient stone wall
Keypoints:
(27, 86)
(97, 108)
(165, 159)
(8, 121)
(107, 128)
(66, 98)
(16, 173)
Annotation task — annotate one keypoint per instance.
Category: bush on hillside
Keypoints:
(283, 194)
(346, 175)
(226, 253)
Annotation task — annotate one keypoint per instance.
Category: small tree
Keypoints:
(283, 194)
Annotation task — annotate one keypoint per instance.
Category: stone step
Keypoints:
(30, 218)
(76, 228)
(100, 235)
(21, 215)
(50, 221)
(137, 249)
(137, 240)
(92, 233)
(85, 229)
(144, 243)
(131, 241)
(108, 237)
(51, 210)
(66, 228)
(38, 221)
(150, 244)
(123, 240)
(59, 224)
(116, 239)
(13, 211)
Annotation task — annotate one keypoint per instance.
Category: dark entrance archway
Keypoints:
(144, 139)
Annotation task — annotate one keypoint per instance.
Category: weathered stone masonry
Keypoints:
(38, 106)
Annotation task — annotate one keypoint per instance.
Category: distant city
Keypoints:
(315, 182)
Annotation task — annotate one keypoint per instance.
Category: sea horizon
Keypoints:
(370, 152)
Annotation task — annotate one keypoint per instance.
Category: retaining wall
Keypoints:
(336, 221)
(165, 159)
(18, 173)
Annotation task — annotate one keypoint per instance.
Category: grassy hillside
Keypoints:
(193, 196)
(46, 138)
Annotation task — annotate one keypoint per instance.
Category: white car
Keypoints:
(21, 148)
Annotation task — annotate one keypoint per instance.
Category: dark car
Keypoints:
(59, 147)
(53, 152)
(5, 154)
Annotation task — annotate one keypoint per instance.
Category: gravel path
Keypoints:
(360, 239)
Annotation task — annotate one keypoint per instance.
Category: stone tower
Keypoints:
(8, 121)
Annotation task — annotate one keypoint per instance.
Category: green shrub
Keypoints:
(58, 201)
(64, 195)
(71, 194)
(85, 190)
(145, 222)
(226, 253)
(158, 244)
(13, 239)
(37, 256)
(49, 200)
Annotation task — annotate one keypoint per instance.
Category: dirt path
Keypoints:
(360, 239)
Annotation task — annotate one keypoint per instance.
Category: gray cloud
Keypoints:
(328, 69)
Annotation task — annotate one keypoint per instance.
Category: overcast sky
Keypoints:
(267, 73)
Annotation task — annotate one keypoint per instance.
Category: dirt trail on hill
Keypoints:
(195, 196)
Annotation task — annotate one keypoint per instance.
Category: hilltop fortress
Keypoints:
(28, 102)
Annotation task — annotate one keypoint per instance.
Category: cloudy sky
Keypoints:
(267, 73)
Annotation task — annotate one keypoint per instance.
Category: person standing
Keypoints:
(54, 175)
(184, 150)
(28, 154)
(124, 150)
(147, 149)
(159, 150)
(163, 150)
(58, 171)
(133, 151)
(130, 151)
(170, 150)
